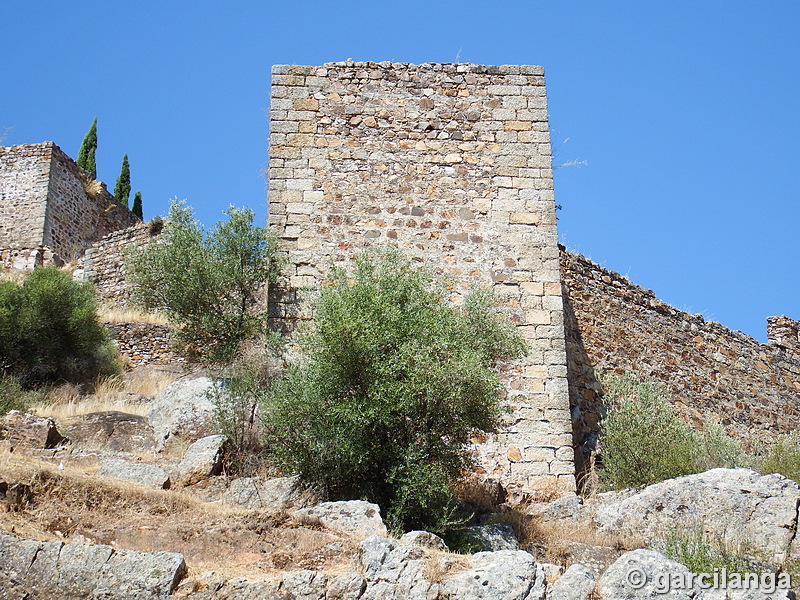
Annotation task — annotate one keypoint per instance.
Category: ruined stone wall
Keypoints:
(24, 183)
(103, 263)
(711, 373)
(51, 209)
(144, 344)
(452, 164)
(79, 210)
(784, 333)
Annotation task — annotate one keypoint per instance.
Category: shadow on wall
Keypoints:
(585, 403)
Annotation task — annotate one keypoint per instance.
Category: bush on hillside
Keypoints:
(643, 439)
(13, 397)
(784, 457)
(210, 285)
(49, 330)
(393, 382)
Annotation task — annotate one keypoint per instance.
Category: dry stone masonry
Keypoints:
(451, 163)
(51, 210)
(713, 374)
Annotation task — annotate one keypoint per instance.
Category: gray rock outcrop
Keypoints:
(31, 431)
(201, 460)
(112, 430)
(423, 539)
(644, 574)
(257, 493)
(353, 517)
(495, 536)
(739, 505)
(58, 571)
(183, 408)
(143, 473)
(501, 575)
(576, 583)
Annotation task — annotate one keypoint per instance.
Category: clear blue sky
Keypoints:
(686, 113)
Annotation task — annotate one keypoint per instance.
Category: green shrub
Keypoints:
(643, 439)
(784, 457)
(703, 554)
(13, 397)
(49, 330)
(717, 449)
(392, 383)
(210, 285)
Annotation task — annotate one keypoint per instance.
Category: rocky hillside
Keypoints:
(136, 505)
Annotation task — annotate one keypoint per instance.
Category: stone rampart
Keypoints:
(46, 200)
(713, 374)
(451, 163)
(104, 261)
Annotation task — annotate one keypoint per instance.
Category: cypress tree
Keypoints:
(137, 205)
(88, 149)
(122, 191)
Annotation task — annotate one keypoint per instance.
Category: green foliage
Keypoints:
(393, 383)
(137, 205)
(209, 285)
(643, 439)
(784, 457)
(13, 397)
(702, 554)
(86, 153)
(49, 330)
(122, 191)
(236, 403)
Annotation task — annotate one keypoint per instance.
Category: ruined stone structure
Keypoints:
(451, 163)
(51, 210)
(713, 374)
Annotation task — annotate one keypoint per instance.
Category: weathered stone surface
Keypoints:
(143, 473)
(347, 586)
(497, 536)
(271, 494)
(576, 583)
(56, 571)
(202, 459)
(501, 575)
(423, 539)
(305, 585)
(734, 504)
(24, 429)
(640, 574)
(113, 430)
(394, 571)
(354, 517)
(183, 408)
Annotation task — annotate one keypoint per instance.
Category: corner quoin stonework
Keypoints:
(451, 163)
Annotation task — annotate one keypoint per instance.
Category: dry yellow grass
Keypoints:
(110, 393)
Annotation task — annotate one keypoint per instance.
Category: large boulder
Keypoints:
(257, 493)
(646, 574)
(142, 473)
(424, 539)
(394, 571)
(30, 431)
(730, 504)
(353, 517)
(495, 536)
(501, 575)
(201, 460)
(57, 571)
(576, 583)
(184, 408)
(112, 430)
